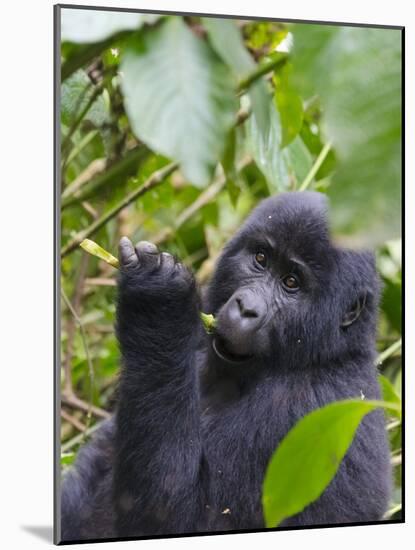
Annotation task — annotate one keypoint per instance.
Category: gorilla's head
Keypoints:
(285, 295)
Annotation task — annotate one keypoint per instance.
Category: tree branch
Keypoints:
(94, 169)
(68, 397)
(97, 91)
(79, 147)
(118, 172)
(86, 53)
(388, 352)
(78, 439)
(73, 421)
(392, 511)
(75, 402)
(153, 181)
(316, 166)
(71, 324)
(261, 70)
(204, 198)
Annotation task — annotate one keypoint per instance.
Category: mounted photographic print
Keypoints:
(228, 274)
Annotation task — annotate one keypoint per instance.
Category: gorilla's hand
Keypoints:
(153, 277)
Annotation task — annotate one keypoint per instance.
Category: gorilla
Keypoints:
(199, 415)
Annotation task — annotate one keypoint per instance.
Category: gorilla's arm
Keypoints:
(157, 420)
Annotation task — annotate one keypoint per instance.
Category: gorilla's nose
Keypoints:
(248, 307)
(240, 320)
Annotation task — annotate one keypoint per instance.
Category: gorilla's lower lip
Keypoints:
(223, 353)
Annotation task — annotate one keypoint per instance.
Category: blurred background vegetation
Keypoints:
(173, 128)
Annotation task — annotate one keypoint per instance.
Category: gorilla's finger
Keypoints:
(167, 260)
(128, 257)
(147, 253)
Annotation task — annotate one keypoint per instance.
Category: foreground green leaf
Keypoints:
(76, 92)
(289, 104)
(227, 41)
(284, 169)
(309, 456)
(179, 97)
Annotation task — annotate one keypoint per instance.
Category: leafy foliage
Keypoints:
(84, 26)
(175, 87)
(76, 93)
(357, 73)
(309, 456)
(140, 92)
(227, 42)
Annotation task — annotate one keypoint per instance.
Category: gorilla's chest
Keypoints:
(242, 425)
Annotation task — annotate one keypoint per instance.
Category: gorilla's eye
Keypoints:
(261, 259)
(290, 282)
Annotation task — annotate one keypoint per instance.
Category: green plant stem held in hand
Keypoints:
(93, 248)
(208, 320)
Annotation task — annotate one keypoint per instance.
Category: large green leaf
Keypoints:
(88, 26)
(75, 94)
(309, 456)
(227, 41)
(289, 104)
(284, 169)
(179, 97)
(357, 73)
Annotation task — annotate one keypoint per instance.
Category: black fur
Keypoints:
(194, 428)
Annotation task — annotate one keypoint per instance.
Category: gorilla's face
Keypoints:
(281, 291)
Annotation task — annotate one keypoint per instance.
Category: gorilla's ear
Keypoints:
(354, 313)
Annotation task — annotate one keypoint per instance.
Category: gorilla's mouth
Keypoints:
(223, 352)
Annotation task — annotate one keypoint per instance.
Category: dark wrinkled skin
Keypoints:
(194, 428)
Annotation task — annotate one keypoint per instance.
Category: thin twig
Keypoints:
(96, 167)
(208, 195)
(97, 92)
(204, 198)
(79, 147)
(153, 181)
(102, 329)
(242, 115)
(389, 351)
(115, 174)
(261, 70)
(90, 209)
(100, 281)
(392, 511)
(73, 401)
(396, 460)
(70, 397)
(78, 439)
(71, 324)
(77, 424)
(392, 425)
(316, 166)
(85, 53)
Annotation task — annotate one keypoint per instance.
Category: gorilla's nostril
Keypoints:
(246, 310)
(250, 313)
